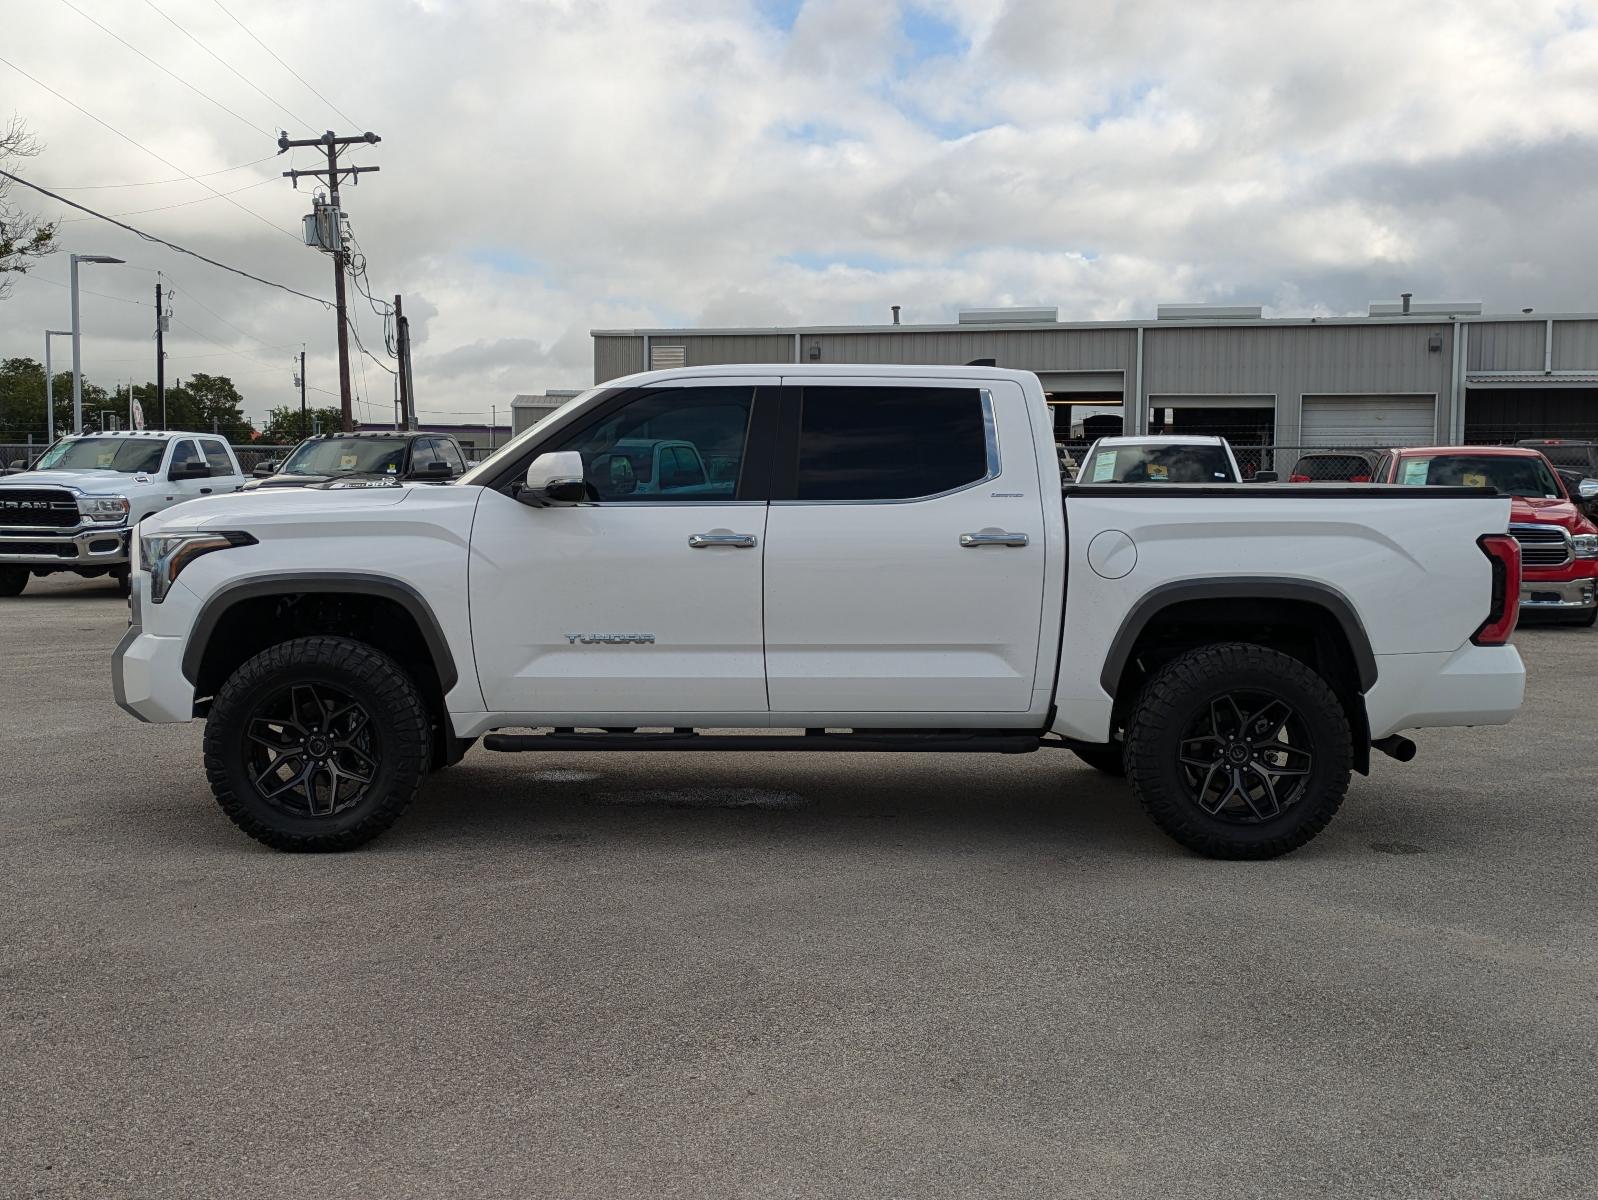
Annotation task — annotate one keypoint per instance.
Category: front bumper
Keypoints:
(65, 549)
(147, 668)
(1563, 595)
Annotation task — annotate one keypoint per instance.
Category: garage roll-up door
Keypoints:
(1368, 421)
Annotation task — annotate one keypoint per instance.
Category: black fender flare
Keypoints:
(348, 583)
(1239, 587)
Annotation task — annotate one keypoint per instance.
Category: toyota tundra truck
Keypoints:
(73, 511)
(894, 565)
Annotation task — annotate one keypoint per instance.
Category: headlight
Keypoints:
(1584, 545)
(105, 510)
(164, 555)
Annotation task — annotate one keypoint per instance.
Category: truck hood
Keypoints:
(1538, 510)
(93, 482)
(277, 506)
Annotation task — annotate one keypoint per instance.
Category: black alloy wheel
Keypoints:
(1246, 757)
(1239, 751)
(318, 743)
(311, 749)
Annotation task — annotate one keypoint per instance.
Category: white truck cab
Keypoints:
(74, 508)
(883, 560)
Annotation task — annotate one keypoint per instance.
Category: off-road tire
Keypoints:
(1110, 758)
(399, 719)
(1184, 688)
(13, 580)
(123, 578)
(1584, 620)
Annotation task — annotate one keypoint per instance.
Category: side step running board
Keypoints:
(853, 743)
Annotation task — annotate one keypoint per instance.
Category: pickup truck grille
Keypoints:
(49, 507)
(1542, 545)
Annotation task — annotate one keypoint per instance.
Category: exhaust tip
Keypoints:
(1397, 747)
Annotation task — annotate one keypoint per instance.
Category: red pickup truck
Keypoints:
(1558, 545)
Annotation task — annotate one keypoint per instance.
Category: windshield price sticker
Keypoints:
(347, 462)
(1104, 466)
(1415, 470)
(104, 458)
(1473, 480)
(1159, 471)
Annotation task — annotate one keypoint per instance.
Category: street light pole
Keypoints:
(49, 383)
(77, 337)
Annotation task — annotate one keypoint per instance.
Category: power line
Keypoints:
(139, 212)
(274, 103)
(83, 290)
(143, 147)
(188, 295)
(285, 65)
(97, 187)
(160, 241)
(159, 67)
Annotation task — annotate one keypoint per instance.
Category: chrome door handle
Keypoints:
(992, 537)
(704, 541)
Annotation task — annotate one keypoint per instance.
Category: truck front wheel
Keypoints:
(1238, 751)
(13, 580)
(318, 743)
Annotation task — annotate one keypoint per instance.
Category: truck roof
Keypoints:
(823, 370)
(1474, 451)
(142, 433)
(1162, 439)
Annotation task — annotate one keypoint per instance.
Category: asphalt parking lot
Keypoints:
(787, 975)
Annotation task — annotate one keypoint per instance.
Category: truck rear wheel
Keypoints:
(1238, 751)
(318, 743)
(13, 580)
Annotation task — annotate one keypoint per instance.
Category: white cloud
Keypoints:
(548, 167)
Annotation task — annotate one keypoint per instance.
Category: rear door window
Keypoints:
(216, 457)
(890, 443)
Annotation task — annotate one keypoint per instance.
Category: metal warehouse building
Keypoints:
(1404, 374)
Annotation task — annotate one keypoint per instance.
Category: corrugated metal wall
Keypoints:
(1027, 350)
(714, 349)
(1576, 345)
(614, 356)
(1506, 346)
(1289, 361)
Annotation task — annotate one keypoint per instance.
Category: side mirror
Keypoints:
(555, 478)
(264, 470)
(435, 468)
(1588, 489)
(1266, 477)
(192, 469)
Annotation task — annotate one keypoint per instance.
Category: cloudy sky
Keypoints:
(553, 166)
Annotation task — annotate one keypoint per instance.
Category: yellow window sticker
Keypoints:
(1104, 466)
(1470, 479)
(347, 462)
(104, 458)
(1159, 471)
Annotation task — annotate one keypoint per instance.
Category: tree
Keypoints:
(23, 236)
(22, 401)
(283, 425)
(207, 403)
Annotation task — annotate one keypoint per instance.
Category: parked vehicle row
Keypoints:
(884, 560)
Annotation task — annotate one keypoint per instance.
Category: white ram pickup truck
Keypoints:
(74, 509)
(888, 562)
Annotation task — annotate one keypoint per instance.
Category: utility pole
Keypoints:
(305, 425)
(331, 237)
(407, 382)
(160, 349)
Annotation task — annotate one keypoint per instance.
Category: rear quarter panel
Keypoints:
(1407, 564)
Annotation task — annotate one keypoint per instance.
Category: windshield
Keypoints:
(347, 456)
(1159, 464)
(1513, 475)
(130, 455)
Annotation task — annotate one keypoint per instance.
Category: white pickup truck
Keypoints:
(894, 566)
(74, 509)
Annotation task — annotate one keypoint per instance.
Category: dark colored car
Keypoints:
(1576, 460)
(375, 459)
(1334, 466)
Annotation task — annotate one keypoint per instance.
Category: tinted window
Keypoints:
(889, 443)
(345, 456)
(1513, 475)
(216, 457)
(622, 449)
(450, 453)
(185, 452)
(106, 454)
(1159, 464)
